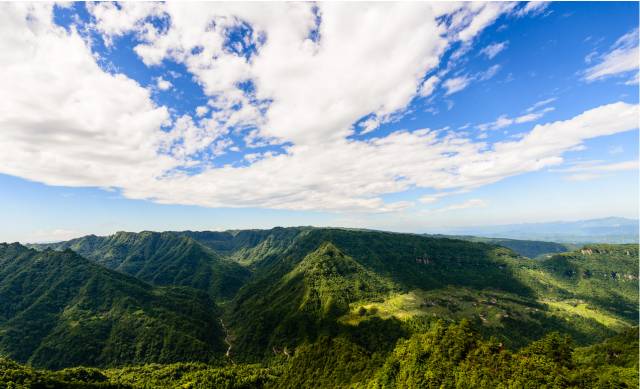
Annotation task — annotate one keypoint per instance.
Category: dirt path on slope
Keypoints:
(227, 340)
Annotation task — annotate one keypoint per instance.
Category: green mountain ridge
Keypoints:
(338, 304)
(59, 309)
(165, 258)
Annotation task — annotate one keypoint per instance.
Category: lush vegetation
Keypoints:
(308, 307)
(165, 258)
(58, 309)
(443, 356)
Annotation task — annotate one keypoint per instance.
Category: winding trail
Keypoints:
(227, 340)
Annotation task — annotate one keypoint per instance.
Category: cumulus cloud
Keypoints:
(622, 58)
(65, 121)
(494, 49)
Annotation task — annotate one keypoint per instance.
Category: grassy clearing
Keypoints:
(577, 308)
(488, 307)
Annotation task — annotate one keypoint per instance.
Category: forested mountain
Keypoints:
(337, 307)
(59, 309)
(165, 258)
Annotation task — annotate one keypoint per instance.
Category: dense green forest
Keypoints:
(443, 356)
(316, 307)
(59, 309)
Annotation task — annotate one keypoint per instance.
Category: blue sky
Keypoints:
(402, 117)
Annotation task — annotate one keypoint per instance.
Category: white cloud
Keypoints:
(114, 20)
(623, 58)
(494, 49)
(456, 84)
(472, 203)
(489, 73)
(541, 103)
(599, 167)
(505, 121)
(590, 170)
(428, 86)
(65, 121)
(532, 8)
(478, 16)
(635, 80)
(163, 84)
(432, 198)
(202, 110)
(370, 125)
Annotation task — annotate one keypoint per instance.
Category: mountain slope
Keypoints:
(599, 276)
(304, 293)
(59, 309)
(304, 302)
(165, 258)
(312, 289)
(375, 287)
(248, 247)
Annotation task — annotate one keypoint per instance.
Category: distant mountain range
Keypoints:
(606, 230)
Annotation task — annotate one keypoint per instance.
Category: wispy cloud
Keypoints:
(489, 73)
(622, 58)
(494, 49)
(590, 170)
(456, 84)
(472, 203)
(505, 121)
(532, 8)
(541, 103)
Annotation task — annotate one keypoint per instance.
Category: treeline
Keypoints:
(444, 356)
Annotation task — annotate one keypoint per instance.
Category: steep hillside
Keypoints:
(281, 311)
(336, 281)
(599, 281)
(374, 288)
(59, 309)
(318, 278)
(249, 247)
(165, 258)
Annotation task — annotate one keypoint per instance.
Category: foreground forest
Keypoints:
(316, 307)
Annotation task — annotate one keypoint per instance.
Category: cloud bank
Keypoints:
(292, 80)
